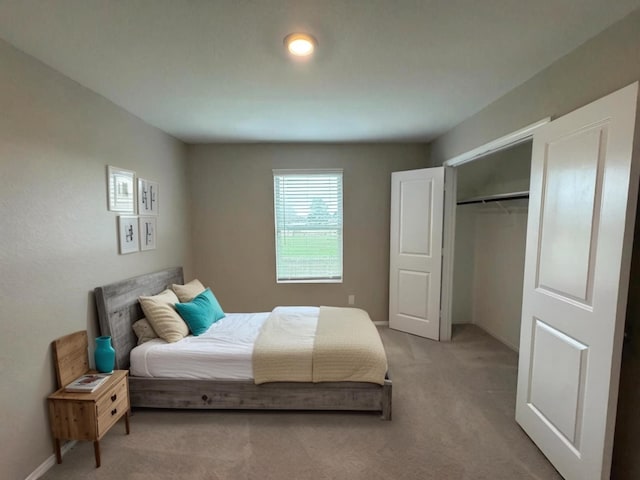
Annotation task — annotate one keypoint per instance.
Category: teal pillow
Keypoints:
(201, 312)
(217, 309)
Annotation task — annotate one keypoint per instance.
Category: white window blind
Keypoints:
(308, 216)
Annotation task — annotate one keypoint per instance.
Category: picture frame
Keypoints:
(121, 189)
(147, 232)
(128, 234)
(148, 196)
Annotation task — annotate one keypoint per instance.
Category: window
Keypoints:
(308, 215)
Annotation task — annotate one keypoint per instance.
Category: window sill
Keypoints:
(311, 281)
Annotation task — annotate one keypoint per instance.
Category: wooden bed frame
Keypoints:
(119, 309)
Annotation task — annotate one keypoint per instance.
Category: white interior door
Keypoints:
(579, 238)
(417, 199)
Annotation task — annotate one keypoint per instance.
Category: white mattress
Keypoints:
(224, 352)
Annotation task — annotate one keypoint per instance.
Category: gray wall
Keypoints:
(605, 63)
(57, 239)
(232, 208)
(602, 65)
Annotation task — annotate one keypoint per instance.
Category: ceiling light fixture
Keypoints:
(300, 44)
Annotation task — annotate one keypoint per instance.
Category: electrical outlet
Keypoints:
(352, 299)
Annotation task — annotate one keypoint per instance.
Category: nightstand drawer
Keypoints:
(112, 407)
(107, 418)
(116, 393)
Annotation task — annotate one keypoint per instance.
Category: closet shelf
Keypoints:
(500, 197)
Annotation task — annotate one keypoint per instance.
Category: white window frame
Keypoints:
(307, 172)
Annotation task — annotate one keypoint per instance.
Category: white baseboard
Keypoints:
(50, 462)
(499, 337)
(382, 324)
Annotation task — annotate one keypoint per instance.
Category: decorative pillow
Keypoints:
(201, 312)
(217, 309)
(162, 316)
(188, 291)
(144, 331)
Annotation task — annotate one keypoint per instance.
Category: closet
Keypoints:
(490, 237)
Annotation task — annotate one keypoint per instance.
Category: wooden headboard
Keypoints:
(119, 309)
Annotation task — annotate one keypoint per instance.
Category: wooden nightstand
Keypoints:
(84, 416)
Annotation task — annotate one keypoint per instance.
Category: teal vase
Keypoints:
(105, 355)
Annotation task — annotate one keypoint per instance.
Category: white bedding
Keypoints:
(224, 352)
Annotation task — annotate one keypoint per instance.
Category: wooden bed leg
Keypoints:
(56, 442)
(126, 422)
(386, 400)
(386, 411)
(96, 450)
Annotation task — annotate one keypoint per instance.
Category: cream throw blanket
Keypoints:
(342, 346)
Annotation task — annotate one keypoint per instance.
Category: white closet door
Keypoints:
(579, 239)
(417, 200)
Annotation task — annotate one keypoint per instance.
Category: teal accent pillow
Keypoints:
(217, 309)
(201, 312)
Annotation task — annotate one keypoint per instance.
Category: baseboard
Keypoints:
(51, 461)
(499, 337)
(381, 324)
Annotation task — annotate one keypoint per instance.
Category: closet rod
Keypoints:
(495, 198)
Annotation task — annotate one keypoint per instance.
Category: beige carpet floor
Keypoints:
(453, 418)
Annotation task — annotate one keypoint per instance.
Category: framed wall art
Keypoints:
(148, 196)
(128, 233)
(147, 233)
(121, 189)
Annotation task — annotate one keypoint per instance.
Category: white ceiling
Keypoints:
(385, 70)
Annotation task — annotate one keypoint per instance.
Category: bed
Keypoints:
(118, 308)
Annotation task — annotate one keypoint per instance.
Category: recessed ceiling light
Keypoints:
(300, 44)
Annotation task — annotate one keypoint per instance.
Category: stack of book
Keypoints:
(87, 383)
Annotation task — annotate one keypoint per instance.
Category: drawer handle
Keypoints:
(113, 397)
(114, 411)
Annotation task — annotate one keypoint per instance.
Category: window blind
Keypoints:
(308, 217)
